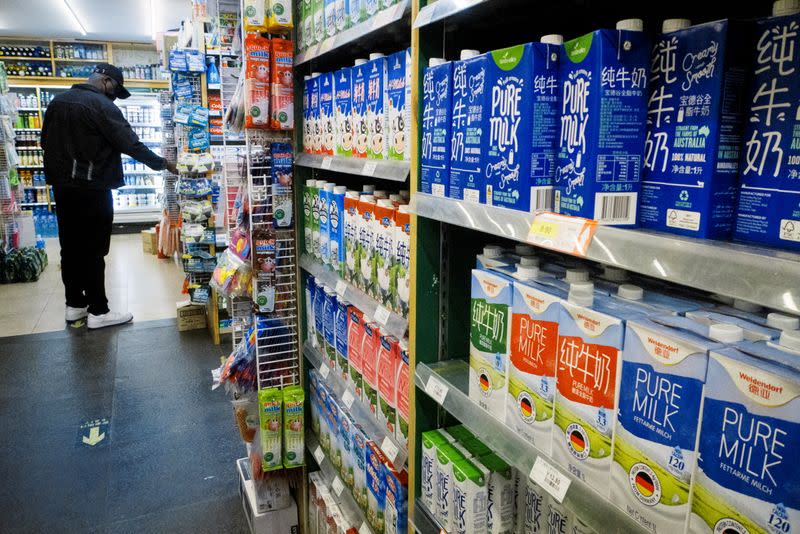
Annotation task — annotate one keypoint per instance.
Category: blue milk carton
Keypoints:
(769, 196)
(326, 114)
(313, 113)
(694, 119)
(319, 315)
(336, 225)
(398, 113)
(325, 198)
(308, 146)
(340, 334)
(343, 111)
(329, 326)
(603, 78)
(522, 127)
(359, 105)
(376, 107)
(436, 112)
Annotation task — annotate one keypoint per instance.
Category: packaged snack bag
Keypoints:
(279, 16)
(293, 417)
(281, 99)
(254, 16)
(256, 49)
(270, 401)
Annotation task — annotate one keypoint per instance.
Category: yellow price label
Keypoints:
(544, 228)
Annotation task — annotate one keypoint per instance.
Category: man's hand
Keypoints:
(171, 167)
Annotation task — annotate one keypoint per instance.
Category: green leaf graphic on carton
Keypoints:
(578, 49)
(508, 58)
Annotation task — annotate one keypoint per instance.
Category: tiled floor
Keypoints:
(135, 281)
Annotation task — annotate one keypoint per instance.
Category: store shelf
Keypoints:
(148, 171)
(27, 129)
(359, 412)
(78, 60)
(125, 187)
(442, 9)
(385, 169)
(30, 166)
(737, 270)
(345, 499)
(582, 499)
(145, 214)
(139, 209)
(395, 324)
(14, 58)
(423, 521)
(27, 109)
(34, 187)
(347, 37)
(26, 204)
(144, 125)
(68, 82)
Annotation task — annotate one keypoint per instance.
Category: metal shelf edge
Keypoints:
(423, 520)
(441, 9)
(383, 169)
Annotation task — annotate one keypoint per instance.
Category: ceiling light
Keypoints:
(75, 16)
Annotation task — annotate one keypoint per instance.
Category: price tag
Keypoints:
(348, 398)
(382, 315)
(562, 232)
(326, 162)
(324, 370)
(319, 456)
(436, 389)
(341, 287)
(369, 168)
(550, 478)
(364, 529)
(337, 486)
(390, 449)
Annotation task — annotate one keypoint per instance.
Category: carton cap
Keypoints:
(306, 78)
(552, 38)
(633, 25)
(375, 55)
(468, 53)
(785, 7)
(673, 25)
(436, 61)
(577, 275)
(405, 193)
(524, 250)
(367, 198)
(790, 339)
(330, 186)
(529, 261)
(380, 194)
(360, 61)
(630, 292)
(314, 74)
(526, 272)
(492, 251)
(321, 184)
(615, 274)
(725, 333)
(395, 198)
(403, 208)
(743, 305)
(352, 194)
(340, 190)
(780, 321)
(368, 188)
(385, 203)
(581, 294)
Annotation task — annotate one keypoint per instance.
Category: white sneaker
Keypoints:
(74, 314)
(108, 319)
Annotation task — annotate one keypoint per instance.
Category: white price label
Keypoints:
(341, 287)
(326, 162)
(319, 456)
(382, 315)
(324, 370)
(550, 478)
(364, 529)
(390, 449)
(348, 398)
(369, 168)
(337, 486)
(436, 389)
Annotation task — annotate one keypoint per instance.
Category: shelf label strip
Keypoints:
(319, 456)
(436, 389)
(562, 233)
(550, 478)
(390, 449)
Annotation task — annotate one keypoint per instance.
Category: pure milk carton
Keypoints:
(376, 487)
(336, 229)
(308, 147)
(355, 340)
(351, 225)
(329, 326)
(470, 497)
(318, 11)
(430, 443)
(402, 260)
(768, 210)
(500, 512)
(326, 114)
(342, 15)
(747, 472)
(343, 111)
(369, 366)
(590, 341)
(376, 107)
(310, 292)
(663, 372)
(531, 507)
(490, 336)
(325, 198)
(403, 389)
(314, 189)
(396, 509)
(446, 456)
(388, 362)
(383, 288)
(366, 242)
(359, 104)
(341, 320)
(603, 77)
(694, 121)
(346, 425)
(398, 100)
(319, 316)
(308, 195)
(360, 442)
(357, 10)
(436, 113)
(313, 114)
(532, 364)
(522, 127)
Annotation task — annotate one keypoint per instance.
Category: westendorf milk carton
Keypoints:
(694, 124)
(355, 340)
(369, 365)
(351, 225)
(359, 99)
(603, 77)
(326, 118)
(436, 111)
(769, 211)
(313, 113)
(343, 111)
(398, 113)
(403, 390)
(376, 69)
(388, 362)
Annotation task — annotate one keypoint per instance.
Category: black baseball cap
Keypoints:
(115, 74)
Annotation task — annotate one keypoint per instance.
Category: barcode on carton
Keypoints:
(542, 198)
(615, 208)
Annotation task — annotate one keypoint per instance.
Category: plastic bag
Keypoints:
(257, 50)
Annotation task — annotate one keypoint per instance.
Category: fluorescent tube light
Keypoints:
(75, 17)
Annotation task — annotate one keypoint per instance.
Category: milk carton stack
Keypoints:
(436, 113)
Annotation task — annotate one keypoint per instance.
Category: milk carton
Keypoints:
(366, 242)
(768, 209)
(307, 127)
(336, 413)
(307, 15)
(376, 107)
(590, 337)
(532, 508)
(313, 189)
(318, 11)
(774, 320)
(558, 519)
(403, 389)
(336, 229)
(522, 127)
(490, 329)
(402, 260)
(398, 99)
(308, 238)
(388, 363)
(663, 371)
(314, 113)
(396, 509)
(493, 256)
(650, 302)
(532, 364)
(360, 443)
(341, 337)
(351, 225)
(319, 316)
(383, 288)
(436, 113)
(326, 116)
(329, 326)
(342, 15)
(330, 18)
(599, 161)
(347, 425)
(371, 7)
(752, 331)
(430, 442)
(747, 472)
(369, 366)
(360, 130)
(310, 291)
(376, 487)
(343, 111)
(500, 509)
(446, 456)
(694, 130)
(355, 340)
(325, 198)
(470, 497)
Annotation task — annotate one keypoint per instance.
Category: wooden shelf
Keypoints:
(14, 58)
(78, 60)
(58, 81)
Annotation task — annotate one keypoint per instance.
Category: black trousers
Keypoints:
(84, 218)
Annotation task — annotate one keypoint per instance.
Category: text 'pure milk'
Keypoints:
(436, 112)
(490, 329)
(663, 371)
(376, 107)
(343, 111)
(398, 113)
(603, 77)
(522, 126)
(748, 469)
(769, 196)
(694, 120)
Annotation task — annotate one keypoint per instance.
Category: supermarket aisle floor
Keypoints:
(165, 462)
(139, 282)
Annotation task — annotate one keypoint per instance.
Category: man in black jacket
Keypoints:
(83, 137)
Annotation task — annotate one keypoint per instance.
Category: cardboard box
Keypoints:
(149, 241)
(190, 316)
(279, 521)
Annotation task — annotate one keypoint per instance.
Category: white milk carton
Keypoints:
(531, 507)
(398, 135)
(430, 442)
(470, 497)
(501, 488)
(748, 468)
(490, 329)
(446, 455)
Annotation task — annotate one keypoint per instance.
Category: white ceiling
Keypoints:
(104, 20)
